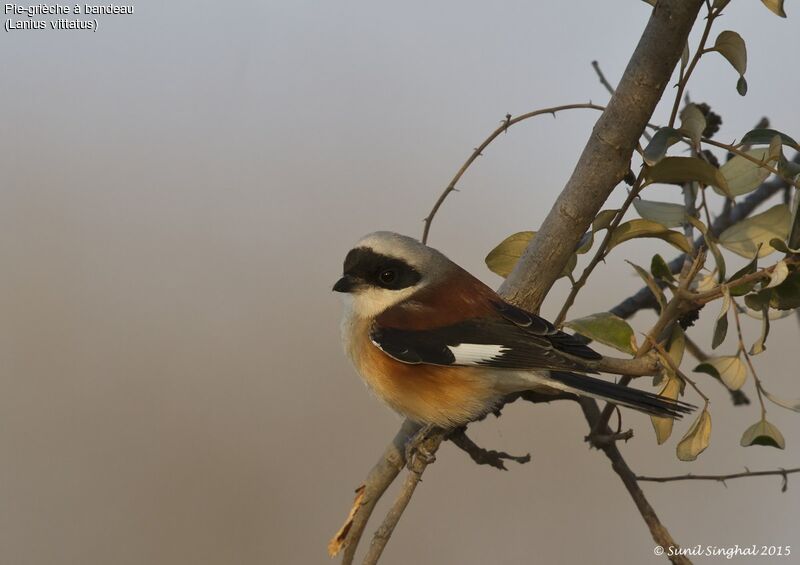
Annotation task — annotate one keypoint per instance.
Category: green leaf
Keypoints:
(645, 228)
(651, 284)
(741, 86)
(660, 270)
(721, 325)
(608, 329)
(761, 345)
(661, 425)
(600, 222)
(793, 404)
(696, 439)
(754, 233)
(793, 240)
(786, 296)
(764, 136)
(711, 242)
(728, 368)
(662, 140)
(750, 268)
(775, 6)
(502, 259)
(686, 169)
(665, 213)
(731, 46)
(693, 122)
(742, 175)
(763, 433)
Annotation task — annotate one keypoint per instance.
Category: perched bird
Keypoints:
(442, 348)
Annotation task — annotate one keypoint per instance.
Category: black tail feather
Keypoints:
(640, 400)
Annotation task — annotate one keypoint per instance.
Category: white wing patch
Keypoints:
(475, 353)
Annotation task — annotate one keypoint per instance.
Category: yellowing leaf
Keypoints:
(744, 237)
(743, 175)
(502, 259)
(776, 6)
(731, 46)
(646, 228)
(778, 274)
(663, 426)
(793, 404)
(728, 368)
(696, 439)
(721, 325)
(693, 122)
(763, 433)
(608, 329)
(686, 169)
(665, 213)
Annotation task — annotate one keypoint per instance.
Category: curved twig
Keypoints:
(478, 151)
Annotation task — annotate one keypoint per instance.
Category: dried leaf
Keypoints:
(696, 439)
(793, 404)
(775, 6)
(728, 368)
(763, 433)
(661, 425)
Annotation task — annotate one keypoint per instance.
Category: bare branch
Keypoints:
(483, 456)
(417, 465)
(478, 151)
(722, 478)
(602, 77)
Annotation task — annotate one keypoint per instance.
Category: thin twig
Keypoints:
(722, 478)
(478, 151)
(602, 77)
(483, 456)
(684, 79)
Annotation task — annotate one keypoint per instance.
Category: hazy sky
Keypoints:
(180, 188)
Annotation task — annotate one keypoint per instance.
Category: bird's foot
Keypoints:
(416, 449)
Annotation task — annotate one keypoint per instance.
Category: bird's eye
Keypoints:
(387, 276)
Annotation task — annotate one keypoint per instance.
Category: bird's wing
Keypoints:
(510, 339)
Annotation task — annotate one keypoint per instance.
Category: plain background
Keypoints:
(179, 190)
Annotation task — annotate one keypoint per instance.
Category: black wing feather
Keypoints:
(526, 340)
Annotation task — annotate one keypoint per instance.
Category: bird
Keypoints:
(443, 349)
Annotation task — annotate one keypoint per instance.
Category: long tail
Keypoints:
(640, 400)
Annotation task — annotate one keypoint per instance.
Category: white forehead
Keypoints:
(403, 247)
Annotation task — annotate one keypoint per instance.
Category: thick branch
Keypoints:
(606, 158)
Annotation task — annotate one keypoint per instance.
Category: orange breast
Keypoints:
(429, 394)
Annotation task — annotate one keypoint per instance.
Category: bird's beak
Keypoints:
(345, 284)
